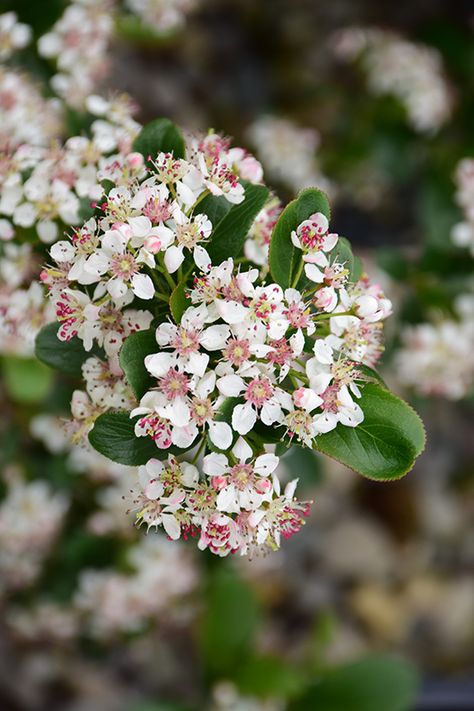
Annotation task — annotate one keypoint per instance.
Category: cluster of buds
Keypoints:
(162, 16)
(48, 187)
(109, 603)
(79, 43)
(245, 359)
(14, 35)
(411, 72)
(437, 358)
(463, 232)
(31, 516)
(288, 152)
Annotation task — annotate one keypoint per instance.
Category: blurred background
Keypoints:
(374, 600)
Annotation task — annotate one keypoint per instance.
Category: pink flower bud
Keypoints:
(135, 160)
(218, 482)
(152, 244)
(299, 397)
(263, 486)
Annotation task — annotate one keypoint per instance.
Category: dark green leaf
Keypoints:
(385, 445)
(228, 237)
(269, 677)
(113, 436)
(229, 621)
(215, 207)
(160, 135)
(303, 463)
(285, 258)
(65, 356)
(343, 254)
(379, 683)
(371, 375)
(179, 302)
(132, 356)
(26, 380)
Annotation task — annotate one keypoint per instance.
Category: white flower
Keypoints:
(241, 485)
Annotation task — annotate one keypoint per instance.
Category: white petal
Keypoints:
(215, 337)
(174, 257)
(142, 286)
(158, 364)
(225, 499)
(243, 418)
(313, 273)
(242, 450)
(220, 434)
(230, 385)
(215, 464)
(62, 251)
(197, 363)
(231, 311)
(201, 258)
(266, 464)
(171, 526)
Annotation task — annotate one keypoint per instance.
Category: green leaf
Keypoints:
(113, 435)
(228, 237)
(269, 677)
(160, 135)
(26, 380)
(132, 356)
(381, 683)
(215, 207)
(385, 445)
(179, 302)
(65, 356)
(285, 258)
(343, 254)
(303, 463)
(371, 375)
(229, 622)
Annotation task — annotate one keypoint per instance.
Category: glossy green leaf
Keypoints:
(385, 445)
(381, 683)
(113, 436)
(215, 207)
(343, 254)
(179, 301)
(229, 622)
(285, 258)
(269, 677)
(160, 135)
(132, 356)
(26, 380)
(229, 235)
(65, 356)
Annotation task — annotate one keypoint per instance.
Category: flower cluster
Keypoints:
(288, 152)
(437, 358)
(78, 43)
(463, 232)
(244, 358)
(30, 520)
(25, 116)
(49, 187)
(23, 309)
(161, 15)
(411, 72)
(14, 35)
(110, 603)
